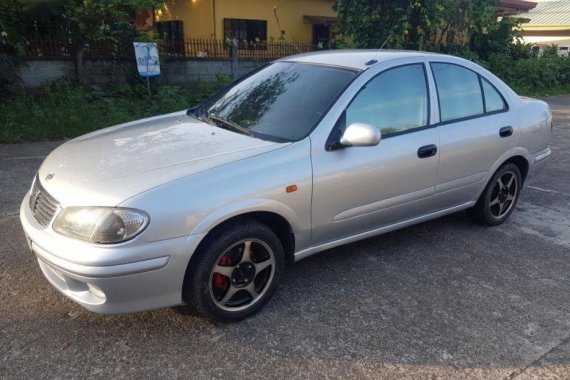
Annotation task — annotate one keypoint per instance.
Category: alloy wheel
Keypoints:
(503, 196)
(242, 274)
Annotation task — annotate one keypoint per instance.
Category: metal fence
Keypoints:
(46, 48)
(218, 49)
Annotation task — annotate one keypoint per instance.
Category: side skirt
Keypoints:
(379, 231)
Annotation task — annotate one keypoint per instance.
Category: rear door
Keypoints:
(475, 132)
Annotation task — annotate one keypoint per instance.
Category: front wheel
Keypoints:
(499, 198)
(235, 273)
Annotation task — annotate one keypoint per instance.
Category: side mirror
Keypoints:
(360, 134)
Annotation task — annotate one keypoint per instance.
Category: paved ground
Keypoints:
(444, 299)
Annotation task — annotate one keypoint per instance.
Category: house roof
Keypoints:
(511, 7)
(548, 15)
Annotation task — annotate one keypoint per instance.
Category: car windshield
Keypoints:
(281, 102)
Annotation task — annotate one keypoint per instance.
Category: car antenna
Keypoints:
(386, 41)
(275, 8)
(373, 61)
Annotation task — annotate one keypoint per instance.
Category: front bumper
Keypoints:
(111, 279)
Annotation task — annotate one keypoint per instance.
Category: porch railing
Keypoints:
(218, 49)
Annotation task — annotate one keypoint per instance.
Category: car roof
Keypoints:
(354, 59)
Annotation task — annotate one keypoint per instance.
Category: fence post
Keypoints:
(78, 63)
(234, 53)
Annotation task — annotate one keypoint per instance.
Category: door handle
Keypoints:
(506, 132)
(427, 151)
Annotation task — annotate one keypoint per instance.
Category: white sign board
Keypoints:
(148, 63)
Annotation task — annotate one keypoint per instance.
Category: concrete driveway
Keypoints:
(444, 299)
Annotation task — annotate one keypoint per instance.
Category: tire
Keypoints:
(244, 258)
(499, 198)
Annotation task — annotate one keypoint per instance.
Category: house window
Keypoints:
(172, 32)
(248, 32)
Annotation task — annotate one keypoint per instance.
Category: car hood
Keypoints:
(107, 167)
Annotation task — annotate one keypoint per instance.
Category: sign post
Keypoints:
(148, 63)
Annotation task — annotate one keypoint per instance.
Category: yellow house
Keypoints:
(302, 21)
(548, 24)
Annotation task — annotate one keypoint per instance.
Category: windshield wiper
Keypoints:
(201, 113)
(230, 125)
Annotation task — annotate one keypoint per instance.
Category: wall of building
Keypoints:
(559, 37)
(104, 73)
(205, 18)
(197, 15)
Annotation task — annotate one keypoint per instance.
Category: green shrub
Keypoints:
(542, 75)
(68, 109)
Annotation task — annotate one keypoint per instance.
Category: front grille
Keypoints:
(42, 204)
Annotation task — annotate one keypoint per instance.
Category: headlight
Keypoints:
(103, 225)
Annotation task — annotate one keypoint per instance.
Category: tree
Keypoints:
(442, 25)
(11, 44)
(77, 23)
(370, 23)
(501, 37)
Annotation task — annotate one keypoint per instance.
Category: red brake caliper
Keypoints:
(219, 280)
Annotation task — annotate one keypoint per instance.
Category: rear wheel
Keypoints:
(235, 273)
(499, 198)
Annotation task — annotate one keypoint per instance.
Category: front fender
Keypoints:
(302, 234)
(195, 204)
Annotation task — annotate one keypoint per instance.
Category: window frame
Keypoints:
(394, 134)
(231, 20)
(479, 79)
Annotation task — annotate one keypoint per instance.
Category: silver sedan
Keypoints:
(204, 207)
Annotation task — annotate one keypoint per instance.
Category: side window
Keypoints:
(394, 101)
(458, 90)
(493, 99)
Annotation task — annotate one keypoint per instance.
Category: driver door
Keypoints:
(360, 189)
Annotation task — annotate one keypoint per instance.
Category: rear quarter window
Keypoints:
(493, 99)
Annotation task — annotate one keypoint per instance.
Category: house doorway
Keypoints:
(321, 36)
